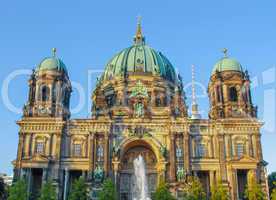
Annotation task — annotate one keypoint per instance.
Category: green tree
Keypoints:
(194, 189)
(79, 190)
(273, 194)
(3, 189)
(162, 192)
(219, 192)
(18, 191)
(254, 191)
(48, 192)
(272, 181)
(109, 191)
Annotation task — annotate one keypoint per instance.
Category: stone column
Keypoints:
(20, 151)
(32, 145)
(54, 148)
(161, 169)
(234, 185)
(258, 147)
(250, 144)
(116, 164)
(65, 186)
(212, 178)
(48, 147)
(152, 98)
(222, 157)
(27, 145)
(37, 88)
(172, 158)
(186, 152)
(106, 155)
(228, 146)
(92, 150)
(58, 146)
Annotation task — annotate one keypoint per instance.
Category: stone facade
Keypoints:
(139, 112)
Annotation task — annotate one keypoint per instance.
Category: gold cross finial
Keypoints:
(54, 51)
(139, 28)
(225, 51)
(139, 36)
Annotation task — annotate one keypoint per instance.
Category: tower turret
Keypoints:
(49, 89)
(229, 90)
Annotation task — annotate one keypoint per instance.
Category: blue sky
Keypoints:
(88, 33)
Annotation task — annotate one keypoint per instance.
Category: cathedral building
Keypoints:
(139, 108)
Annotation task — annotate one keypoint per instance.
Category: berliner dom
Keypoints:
(139, 115)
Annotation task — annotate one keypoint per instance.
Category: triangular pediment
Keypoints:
(244, 158)
(39, 157)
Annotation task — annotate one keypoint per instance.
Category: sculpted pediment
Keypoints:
(244, 158)
(39, 158)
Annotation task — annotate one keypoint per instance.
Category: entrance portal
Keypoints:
(242, 182)
(127, 170)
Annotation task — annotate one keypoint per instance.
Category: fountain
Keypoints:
(140, 180)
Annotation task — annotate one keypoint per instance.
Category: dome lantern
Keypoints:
(139, 38)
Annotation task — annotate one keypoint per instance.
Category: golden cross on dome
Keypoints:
(139, 28)
(225, 51)
(139, 36)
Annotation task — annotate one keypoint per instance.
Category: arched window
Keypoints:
(54, 94)
(158, 102)
(100, 153)
(233, 94)
(77, 150)
(239, 149)
(219, 93)
(39, 149)
(45, 91)
(201, 150)
(245, 93)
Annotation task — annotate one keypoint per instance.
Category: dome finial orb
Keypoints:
(225, 52)
(54, 52)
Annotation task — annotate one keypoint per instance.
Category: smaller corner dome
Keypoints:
(52, 63)
(227, 64)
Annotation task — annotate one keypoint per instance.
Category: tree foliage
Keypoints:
(3, 189)
(219, 192)
(18, 191)
(254, 191)
(194, 189)
(48, 192)
(108, 191)
(273, 194)
(162, 192)
(272, 181)
(79, 190)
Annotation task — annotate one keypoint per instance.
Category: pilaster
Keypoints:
(172, 158)
(106, 155)
(186, 150)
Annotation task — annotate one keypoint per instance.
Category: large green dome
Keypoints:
(227, 64)
(139, 59)
(51, 63)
